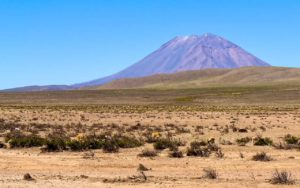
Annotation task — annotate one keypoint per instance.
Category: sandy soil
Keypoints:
(72, 169)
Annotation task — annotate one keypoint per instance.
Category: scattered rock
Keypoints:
(28, 177)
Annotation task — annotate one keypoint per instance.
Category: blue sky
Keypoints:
(70, 41)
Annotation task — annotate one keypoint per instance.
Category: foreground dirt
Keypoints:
(74, 169)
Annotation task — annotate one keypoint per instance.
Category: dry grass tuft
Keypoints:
(262, 157)
(210, 173)
(282, 177)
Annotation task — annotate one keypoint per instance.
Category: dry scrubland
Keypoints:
(214, 137)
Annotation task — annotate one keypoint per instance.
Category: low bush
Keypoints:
(210, 173)
(151, 137)
(282, 177)
(26, 141)
(165, 143)
(110, 146)
(286, 146)
(94, 142)
(13, 134)
(105, 142)
(148, 153)
(261, 157)
(55, 144)
(201, 149)
(243, 141)
(76, 145)
(176, 154)
(199, 152)
(260, 141)
(128, 142)
(289, 139)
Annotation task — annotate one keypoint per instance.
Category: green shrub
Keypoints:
(162, 144)
(200, 152)
(202, 148)
(259, 141)
(56, 144)
(289, 139)
(76, 145)
(94, 142)
(107, 143)
(243, 141)
(110, 146)
(26, 141)
(128, 142)
(176, 154)
(13, 135)
(165, 143)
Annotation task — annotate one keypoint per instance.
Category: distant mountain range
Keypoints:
(179, 54)
(40, 88)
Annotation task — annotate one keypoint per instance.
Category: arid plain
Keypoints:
(206, 137)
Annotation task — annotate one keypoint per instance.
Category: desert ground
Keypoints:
(214, 137)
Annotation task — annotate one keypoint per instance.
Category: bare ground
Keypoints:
(73, 169)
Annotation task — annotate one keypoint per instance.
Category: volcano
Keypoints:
(186, 53)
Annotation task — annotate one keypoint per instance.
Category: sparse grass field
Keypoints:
(213, 137)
